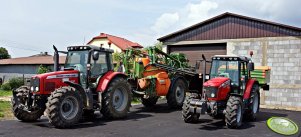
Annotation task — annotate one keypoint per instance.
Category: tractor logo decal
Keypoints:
(282, 125)
(63, 76)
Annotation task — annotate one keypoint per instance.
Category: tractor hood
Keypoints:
(215, 82)
(58, 74)
(48, 82)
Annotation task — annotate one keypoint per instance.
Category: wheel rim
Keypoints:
(120, 99)
(255, 103)
(180, 94)
(238, 114)
(69, 107)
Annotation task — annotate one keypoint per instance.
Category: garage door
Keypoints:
(194, 52)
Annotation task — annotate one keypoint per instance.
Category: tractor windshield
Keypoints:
(78, 60)
(223, 68)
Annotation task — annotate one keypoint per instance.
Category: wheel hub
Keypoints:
(120, 99)
(179, 94)
(69, 107)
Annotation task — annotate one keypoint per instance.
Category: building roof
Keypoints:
(230, 25)
(122, 43)
(33, 60)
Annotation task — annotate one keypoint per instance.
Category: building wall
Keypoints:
(10, 71)
(104, 41)
(283, 55)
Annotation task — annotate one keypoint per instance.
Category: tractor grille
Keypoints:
(49, 86)
(210, 90)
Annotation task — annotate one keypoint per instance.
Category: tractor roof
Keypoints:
(231, 57)
(89, 47)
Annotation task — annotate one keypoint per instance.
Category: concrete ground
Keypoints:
(159, 121)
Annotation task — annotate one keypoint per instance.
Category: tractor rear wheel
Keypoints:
(117, 99)
(188, 116)
(64, 107)
(234, 111)
(176, 94)
(254, 104)
(19, 106)
(149, 102)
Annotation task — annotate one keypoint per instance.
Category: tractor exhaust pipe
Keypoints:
(56, 59)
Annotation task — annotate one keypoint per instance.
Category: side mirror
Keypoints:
(95, 55)
(250, 66)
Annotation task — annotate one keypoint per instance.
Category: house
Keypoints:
(26, 66)
(118, 44)
(274, 44)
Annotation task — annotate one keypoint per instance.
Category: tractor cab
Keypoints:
(235, 68)
(91, 62)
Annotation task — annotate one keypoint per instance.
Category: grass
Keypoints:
(5, 110)
(5, 93)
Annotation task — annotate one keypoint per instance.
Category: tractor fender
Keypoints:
(248, 89)
(107, 78)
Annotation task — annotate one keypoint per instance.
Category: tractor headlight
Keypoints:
(37, 89)
(31, 88)
(212, 95)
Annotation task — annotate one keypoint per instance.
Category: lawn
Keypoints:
(5, 110)
(5, 93)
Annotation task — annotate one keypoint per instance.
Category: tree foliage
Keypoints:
(158, 45)
(43, 69)
(4, 53)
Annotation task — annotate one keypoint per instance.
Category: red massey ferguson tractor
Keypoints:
(87, 84)
(230, 91)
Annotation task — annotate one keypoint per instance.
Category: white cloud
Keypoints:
(165, 21)
(199, 11)
(190, 14)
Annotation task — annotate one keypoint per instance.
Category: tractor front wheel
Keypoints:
(64, 107)
(19, 107)
(189, 117)
(176, 94)
(234, 111)
(149, 102)
(117, 99)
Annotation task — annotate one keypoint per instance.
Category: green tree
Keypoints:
(42, 69)
(4, 53)
(158, 45)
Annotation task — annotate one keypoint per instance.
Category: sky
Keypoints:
(28, 27)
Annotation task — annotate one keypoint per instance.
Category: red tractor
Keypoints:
(230, 91)
(86, 84)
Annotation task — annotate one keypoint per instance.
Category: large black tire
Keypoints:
(64, 107)
(117, 99)
(149, 102)
(253, 107)
(189, 117)
(234, 112)
(18, 106)
(176, 94)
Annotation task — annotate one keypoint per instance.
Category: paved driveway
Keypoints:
(157, 122)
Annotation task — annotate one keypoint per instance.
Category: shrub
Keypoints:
(16, 82)
(5, 86)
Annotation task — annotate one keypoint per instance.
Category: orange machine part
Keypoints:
(143, 83)
(162, 83)
(145, 61)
